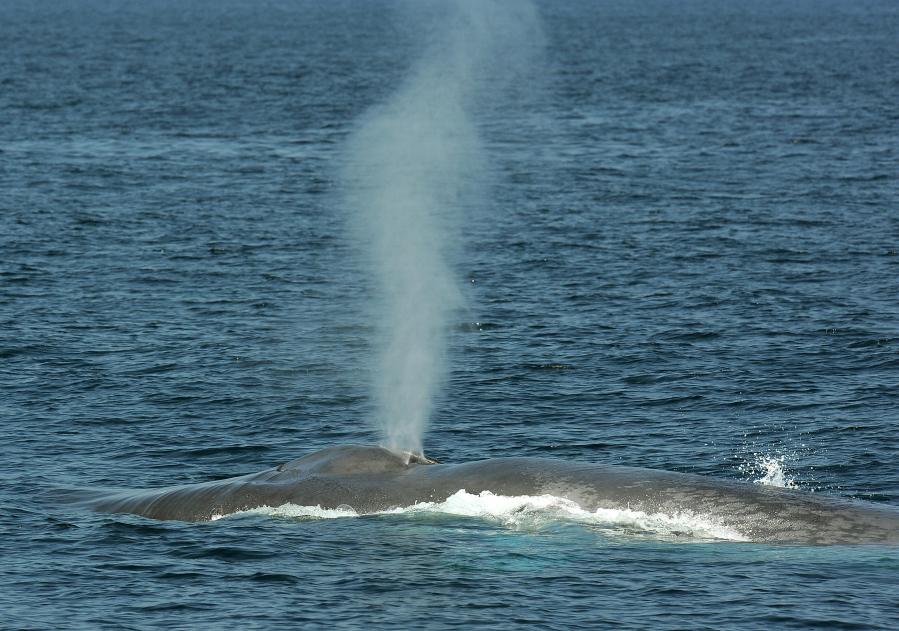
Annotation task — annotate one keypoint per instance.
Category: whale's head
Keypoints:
(355, 460)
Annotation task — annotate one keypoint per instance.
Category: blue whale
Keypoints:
(372, 479)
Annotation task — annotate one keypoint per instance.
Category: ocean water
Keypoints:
(685, 256)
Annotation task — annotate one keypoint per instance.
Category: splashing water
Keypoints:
(412, 166)
(768, 470)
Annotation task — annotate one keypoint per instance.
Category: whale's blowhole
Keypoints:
(356, 460)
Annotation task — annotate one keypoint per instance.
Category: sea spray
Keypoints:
(768, 470)
(413, 165)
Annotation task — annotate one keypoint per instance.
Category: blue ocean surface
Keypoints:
(684, 256)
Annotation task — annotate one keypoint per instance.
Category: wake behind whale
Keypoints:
(369, 479)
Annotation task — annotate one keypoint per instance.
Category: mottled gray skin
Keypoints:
(372, 479)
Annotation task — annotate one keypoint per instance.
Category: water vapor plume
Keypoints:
(412, 167)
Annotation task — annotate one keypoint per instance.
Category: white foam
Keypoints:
(533, 512)
(300, 512)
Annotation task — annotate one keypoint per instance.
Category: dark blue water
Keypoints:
(687, 258)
